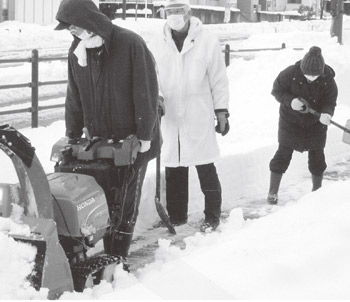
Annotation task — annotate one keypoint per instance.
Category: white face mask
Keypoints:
(85, 35)
(176, 22)
(311, 77)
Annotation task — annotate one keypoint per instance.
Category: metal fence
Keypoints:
(227, 51)
(34, 84)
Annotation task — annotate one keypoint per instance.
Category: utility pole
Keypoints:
(124, 10)
(322, 9)
(1, 11)
(337, 11)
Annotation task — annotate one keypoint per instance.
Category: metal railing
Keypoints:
(227, 51)
(34, 85)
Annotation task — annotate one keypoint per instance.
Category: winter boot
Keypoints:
(316, 181)
(117, 243)
(209, 226)
(118, 248)
(275, 180)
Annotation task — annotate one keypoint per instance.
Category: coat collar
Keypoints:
(195, 29)
(328, 74)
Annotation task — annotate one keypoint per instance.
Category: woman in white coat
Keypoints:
(194, 85)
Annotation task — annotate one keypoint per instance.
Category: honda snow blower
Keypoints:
(67, 211)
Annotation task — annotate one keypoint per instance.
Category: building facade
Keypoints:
(289, 5)
(248, 10)
(44, 11)
(33, 11)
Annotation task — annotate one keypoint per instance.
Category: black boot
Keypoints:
(275, 180)
(117, 243)
(316, 181)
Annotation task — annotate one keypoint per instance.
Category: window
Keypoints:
(294, 1)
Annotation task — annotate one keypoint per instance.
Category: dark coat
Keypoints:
(303, 132)
(116, 94)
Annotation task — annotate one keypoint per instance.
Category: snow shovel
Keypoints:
(346, 129)
(160, 209)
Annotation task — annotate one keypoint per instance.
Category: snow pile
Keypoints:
(300, 252)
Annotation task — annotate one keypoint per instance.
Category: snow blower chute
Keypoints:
(67, 211)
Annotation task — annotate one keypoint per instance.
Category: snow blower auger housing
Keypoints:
(67, 211)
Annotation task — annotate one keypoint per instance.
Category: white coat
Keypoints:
(193, 83)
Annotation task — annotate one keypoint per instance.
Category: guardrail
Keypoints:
(34, 85)
(227, 51)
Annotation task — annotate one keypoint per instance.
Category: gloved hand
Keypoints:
(161, 107)
(325, 119)
(222, 125)
(144, 145)
(297, 105)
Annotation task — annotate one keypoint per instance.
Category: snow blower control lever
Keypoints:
(123, 152)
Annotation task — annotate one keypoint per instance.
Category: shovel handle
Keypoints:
(314, 112)
(341, 127)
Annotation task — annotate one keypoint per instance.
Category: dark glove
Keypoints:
(222, 125)
(161, 107)
(73, 138)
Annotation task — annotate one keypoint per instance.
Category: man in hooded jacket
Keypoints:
(113, 92)
(194, 85)
(309, 83)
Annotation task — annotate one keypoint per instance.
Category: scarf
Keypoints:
(80, 51)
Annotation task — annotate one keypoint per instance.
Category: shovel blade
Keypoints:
(346, 135)
(164, 217)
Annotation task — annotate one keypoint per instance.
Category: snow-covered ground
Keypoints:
(299, 251)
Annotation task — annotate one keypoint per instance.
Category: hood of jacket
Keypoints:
(85, 14)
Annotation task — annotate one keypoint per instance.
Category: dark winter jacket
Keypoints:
(116, 94)
(300, 131)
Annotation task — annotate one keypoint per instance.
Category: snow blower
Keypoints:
(67, 211)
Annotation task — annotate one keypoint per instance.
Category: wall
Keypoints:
(269, 17)
(284, 5)
(34, 11)
(248, 10)
(214, 16)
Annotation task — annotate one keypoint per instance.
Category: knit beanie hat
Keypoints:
(313, 62)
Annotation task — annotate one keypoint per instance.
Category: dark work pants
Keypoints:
(177, 192)
(124, 216)
(281, 160)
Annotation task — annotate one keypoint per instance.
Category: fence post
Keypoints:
(35, 88)
(227, 55)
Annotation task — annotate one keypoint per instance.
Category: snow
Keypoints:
(298, 249)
